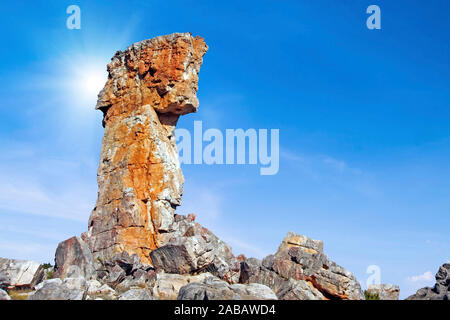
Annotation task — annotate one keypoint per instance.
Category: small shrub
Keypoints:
(49, 274)
(46, 265)
(19, 294)
(371, 296)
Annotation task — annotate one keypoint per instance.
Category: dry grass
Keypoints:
(19, 294)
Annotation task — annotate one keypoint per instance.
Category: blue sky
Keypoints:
(363, 118)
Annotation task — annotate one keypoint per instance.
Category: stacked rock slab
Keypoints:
(149, 86)
(301, 271)
(19, 273)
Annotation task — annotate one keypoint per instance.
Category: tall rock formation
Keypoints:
(149, 86)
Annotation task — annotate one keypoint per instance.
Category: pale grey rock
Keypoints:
(299, 290)
(213, 288)
(96, 290)
(136, 294)
(20, 273)
(167, 285)
(191, 248)
(385, 291)
(56, 289)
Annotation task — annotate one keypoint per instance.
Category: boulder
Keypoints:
(191, 248)
(440, 291)
(97, 290)
(167, 286)
(299, 290)
(73, 258)
(385, 291)
(300, 270)
(20, 273)
(56, 289)
(136, 294)
(213, 288)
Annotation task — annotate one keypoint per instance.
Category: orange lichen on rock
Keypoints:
(149, 86)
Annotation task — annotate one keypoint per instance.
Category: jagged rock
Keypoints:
(302, 260)
(440, 291)
(56, 289)
(116, 275)
(73, 258)
(20, 273)
(4, 295)
(167, 286)
(136, 294)
(150, 85)
(215, 289)
(190, 248)
(97, 290)
(299, 290)
(385, 291)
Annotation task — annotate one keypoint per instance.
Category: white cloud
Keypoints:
(426, 277)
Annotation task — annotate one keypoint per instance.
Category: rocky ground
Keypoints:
(193, 265)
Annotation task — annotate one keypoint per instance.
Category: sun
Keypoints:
(92, 82)
(87, 79)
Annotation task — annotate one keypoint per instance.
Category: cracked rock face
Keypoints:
(149, 86)
(300, 270)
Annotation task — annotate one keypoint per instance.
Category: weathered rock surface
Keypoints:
(300, 270)
(385, 291)
(215, 289)
(74, 258)
(19, 273)
(136, 294)
(4, 295)
(440, 291)
(149, 86)
(167, 285)
(191, 248)
(56, 289)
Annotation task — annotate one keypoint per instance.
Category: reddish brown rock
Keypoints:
(149, 86)
(73, 258)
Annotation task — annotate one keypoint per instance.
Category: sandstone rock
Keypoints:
(116, 276)
(167, 286)
(385, 291)
(73, 258)
(4, 295)
(300, 270)
(299, 290)
(97, 290)
(56, 289)
(20, 273)
(150, 85)
(440, 291)
(191, 248)
(215, 289)
(136, 294)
